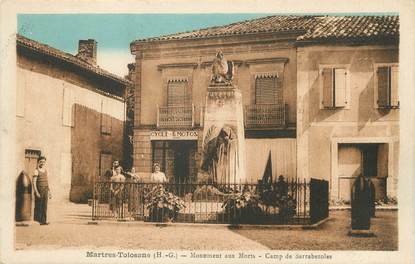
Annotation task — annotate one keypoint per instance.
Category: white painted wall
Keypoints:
(43, 122)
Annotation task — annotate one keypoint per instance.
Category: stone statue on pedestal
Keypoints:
(222, 70)
(223, 158)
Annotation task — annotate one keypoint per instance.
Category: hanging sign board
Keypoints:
(174, 135)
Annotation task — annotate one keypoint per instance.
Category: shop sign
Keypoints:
(174, 135)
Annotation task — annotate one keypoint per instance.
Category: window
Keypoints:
(177, 93)
(386, 86)
(106, 120)
(267, 90)
(334, 88)
(31, 156)
(159, 153)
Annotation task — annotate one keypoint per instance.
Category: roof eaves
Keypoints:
(349, 40)
(213, 36)
(68, 58)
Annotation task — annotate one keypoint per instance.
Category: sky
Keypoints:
(114, 32)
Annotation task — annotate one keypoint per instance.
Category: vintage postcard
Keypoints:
(214, 132)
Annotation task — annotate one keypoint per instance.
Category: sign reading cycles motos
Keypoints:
(174, 135)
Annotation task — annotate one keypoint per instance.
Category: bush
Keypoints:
(163, 205)
(242, 207)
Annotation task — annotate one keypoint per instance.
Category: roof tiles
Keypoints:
(309, 28)
(67, 57)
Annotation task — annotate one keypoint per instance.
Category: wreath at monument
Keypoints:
(163, 206)
(242, 207)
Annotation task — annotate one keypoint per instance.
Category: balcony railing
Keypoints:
(265, 116)
(175, 116)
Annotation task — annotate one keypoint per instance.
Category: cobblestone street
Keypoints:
(70, 229)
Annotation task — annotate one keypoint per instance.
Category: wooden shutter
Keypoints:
(266, 90)
(176, 93)
(383, 86)
(327, 75)
(394, 86)
(340, 87)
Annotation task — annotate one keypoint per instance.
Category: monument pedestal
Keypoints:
(223, 135)
(361, 233)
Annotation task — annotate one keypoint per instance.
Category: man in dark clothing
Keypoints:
(42, 191)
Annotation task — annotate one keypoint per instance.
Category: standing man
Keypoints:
(42, 191)
(111, 172)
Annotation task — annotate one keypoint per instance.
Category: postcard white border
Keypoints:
(8, 26)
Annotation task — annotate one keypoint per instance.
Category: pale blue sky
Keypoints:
(115, 32)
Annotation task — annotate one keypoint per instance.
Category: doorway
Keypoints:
(367, 159)
(177, 159)
(181, 163)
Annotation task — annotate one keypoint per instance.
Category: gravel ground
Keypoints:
(133, 237)
(72, 231)
(332, 235)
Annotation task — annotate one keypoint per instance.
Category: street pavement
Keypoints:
(69, 229)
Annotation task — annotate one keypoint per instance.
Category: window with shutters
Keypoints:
(334, 87)
(177, 93)
(267, 90)
(386, 86)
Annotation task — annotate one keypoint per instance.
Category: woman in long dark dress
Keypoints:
(42, 191)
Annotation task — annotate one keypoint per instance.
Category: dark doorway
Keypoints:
(181, 161)
(370, 160)
(177, 159)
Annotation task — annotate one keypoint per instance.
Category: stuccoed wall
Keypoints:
(319, 130)
(39, 122)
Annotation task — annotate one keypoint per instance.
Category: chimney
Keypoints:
(87, 51)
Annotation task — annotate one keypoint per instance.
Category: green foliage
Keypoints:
(241, 200)
(242, 207)
(274, 195)
(159, 200)
(389, 200)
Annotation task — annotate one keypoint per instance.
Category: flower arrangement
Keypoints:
(242, 207)
(388, 200)
(163, 205)
(276, 195)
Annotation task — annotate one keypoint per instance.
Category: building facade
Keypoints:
(348, 106)
(172, 76)
(72, 112)
(290, 109)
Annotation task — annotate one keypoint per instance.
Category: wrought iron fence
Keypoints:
(285, 202)
(175, 116)
(266, 115)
